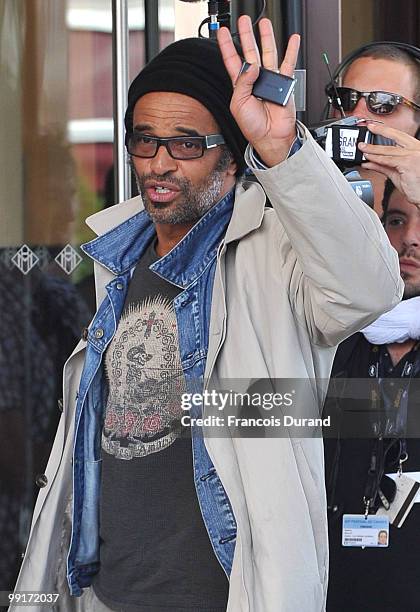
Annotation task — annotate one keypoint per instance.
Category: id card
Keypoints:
(361, 531)
(415, 476)
(405, 497)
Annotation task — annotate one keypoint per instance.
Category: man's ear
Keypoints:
(232, 168)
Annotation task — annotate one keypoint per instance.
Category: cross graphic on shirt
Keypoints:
(149, 324)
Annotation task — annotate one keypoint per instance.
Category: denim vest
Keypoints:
(190, 265)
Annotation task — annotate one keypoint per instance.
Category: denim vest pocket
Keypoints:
(220, 523)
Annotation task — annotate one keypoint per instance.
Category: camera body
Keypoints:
(340, 139)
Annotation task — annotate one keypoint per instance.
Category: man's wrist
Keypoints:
(276, 152)
(255, 162)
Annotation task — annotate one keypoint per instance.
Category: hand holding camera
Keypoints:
(400, 163)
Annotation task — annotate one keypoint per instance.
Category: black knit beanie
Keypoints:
(194, 67)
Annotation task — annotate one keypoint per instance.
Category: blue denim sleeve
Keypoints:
(260, 165)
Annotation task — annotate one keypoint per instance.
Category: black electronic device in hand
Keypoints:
(272, 86)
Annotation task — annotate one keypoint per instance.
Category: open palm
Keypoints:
(269, 127)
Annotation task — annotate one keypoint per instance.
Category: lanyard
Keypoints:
(390, 409)
(376, 471)
(393, 427)
(390, 402)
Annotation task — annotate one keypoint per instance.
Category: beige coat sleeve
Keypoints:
(346, 273)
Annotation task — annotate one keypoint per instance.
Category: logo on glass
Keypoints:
(68, 259)
(25, 259)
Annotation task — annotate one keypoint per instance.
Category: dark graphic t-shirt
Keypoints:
(155, 552)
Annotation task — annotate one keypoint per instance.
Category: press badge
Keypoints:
(363, 531)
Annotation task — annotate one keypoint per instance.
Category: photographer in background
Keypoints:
(389, 347)
(381, 82)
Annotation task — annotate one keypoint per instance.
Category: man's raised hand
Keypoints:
(268, 127)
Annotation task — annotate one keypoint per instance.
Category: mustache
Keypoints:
(178, 182)
(410, 253)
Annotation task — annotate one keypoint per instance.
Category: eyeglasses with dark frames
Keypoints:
(378, 102)
(178, 147)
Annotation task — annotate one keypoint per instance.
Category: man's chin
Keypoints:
(159, 212)
(159, 217)
(163, 214)
(411, 290)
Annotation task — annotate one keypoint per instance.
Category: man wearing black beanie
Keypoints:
(193, 67)
(198, 283)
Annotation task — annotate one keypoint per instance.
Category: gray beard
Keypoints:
(196, 200)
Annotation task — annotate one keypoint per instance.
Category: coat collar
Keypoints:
(125, 230)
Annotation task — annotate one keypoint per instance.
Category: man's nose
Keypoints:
(411, 236)
(162, 162)
(361, 110)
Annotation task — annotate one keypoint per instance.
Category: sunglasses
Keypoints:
(378, 102)
(178, 147)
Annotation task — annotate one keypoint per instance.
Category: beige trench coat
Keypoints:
(291, 283)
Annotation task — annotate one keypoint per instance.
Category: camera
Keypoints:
(340, 139)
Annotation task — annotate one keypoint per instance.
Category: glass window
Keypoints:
(56, 155)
